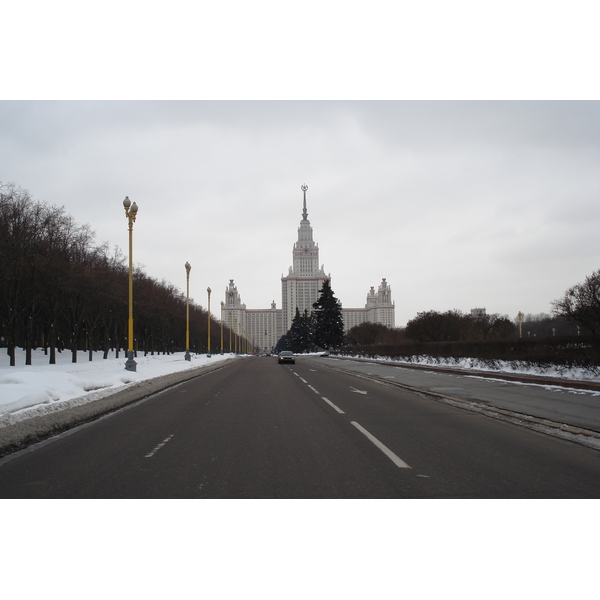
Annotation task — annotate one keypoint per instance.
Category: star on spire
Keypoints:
(304, 211)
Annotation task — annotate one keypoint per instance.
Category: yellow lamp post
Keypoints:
(188, 268)
(208, 290)
(130, 214)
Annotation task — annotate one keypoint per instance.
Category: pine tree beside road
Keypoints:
(329, 324)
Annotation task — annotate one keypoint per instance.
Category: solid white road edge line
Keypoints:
(393, 457)
(333, 405)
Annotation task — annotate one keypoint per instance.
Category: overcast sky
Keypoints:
(457, 204)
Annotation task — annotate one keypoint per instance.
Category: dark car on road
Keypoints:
(286, 357)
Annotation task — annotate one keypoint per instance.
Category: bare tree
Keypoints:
(581, 303)
(493, 326)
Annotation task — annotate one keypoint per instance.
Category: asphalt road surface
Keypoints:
(544, 399)
(256, 429)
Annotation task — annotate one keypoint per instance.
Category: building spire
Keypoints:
(304, 211)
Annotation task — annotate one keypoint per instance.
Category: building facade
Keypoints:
(263, 327)
(299, 290)
(378, 309)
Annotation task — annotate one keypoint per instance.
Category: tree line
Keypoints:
(62, 291)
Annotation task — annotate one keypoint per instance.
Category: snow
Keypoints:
(31, 390)
(499, 366)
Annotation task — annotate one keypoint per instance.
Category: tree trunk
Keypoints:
(11, 352)
(52, 345)
(28, 340)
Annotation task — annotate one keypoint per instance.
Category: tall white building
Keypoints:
(300, 290)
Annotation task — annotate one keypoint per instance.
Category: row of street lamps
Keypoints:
(130, 213)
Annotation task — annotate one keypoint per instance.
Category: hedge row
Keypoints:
(540, 353)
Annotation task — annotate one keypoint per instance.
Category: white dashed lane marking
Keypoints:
(333, 405)
(151, 454)
(393, 457)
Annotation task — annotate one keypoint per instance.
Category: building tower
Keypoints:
(300, 289)
(234, 311)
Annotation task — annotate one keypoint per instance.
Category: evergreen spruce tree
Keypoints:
(329, 324)
(307, 332)
(300, 335)
(282, 344)
(294, 334)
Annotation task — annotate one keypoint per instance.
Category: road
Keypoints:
(572, 405)
(256, 429)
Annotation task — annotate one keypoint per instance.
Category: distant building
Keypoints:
(300, 290)
(477, 312)
(262, 326)
(378, 309)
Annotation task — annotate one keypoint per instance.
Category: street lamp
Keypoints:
(208, 290)
(188, 268)
(130, 214)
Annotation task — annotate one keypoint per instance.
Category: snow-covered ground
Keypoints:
(500, 366)
(31, 390)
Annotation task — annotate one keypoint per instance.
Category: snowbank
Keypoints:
(500, 366)
(32, 389)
